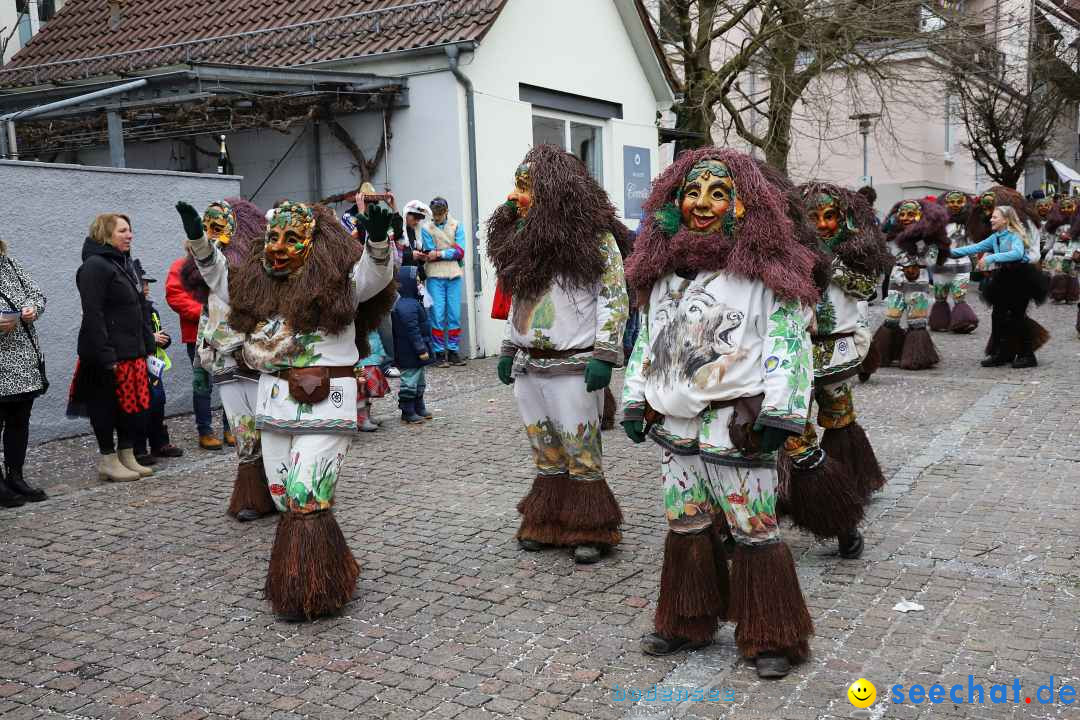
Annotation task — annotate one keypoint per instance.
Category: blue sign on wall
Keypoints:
(637, 179)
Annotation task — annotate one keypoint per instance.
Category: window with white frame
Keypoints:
(583, 139)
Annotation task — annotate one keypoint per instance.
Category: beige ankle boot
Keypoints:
(127, 459)
(110, 468)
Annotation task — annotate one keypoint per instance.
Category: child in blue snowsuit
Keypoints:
(412, 348)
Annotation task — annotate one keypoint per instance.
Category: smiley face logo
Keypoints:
(862, 693)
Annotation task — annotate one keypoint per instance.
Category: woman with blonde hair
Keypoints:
(1013, 282)
(111, 384)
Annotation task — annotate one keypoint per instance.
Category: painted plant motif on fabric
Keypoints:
(696, 342)
(247, 437)
(750, 509)
(307, 493)
(613, 293)
(787, 329)
(688, 496)
(555, 452)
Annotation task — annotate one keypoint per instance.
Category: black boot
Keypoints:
(850, 544)
(421, 410)
(16, 483)
(8, 498)
(408, 412)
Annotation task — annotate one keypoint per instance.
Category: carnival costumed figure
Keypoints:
(831, 482)
(297, 301)
(1064, 285)
(232, 226)
(555, 254)
(979, 229)
(951, 277)
(917, 228)
(721, 375)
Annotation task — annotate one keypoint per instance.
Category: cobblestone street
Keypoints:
(145, 600)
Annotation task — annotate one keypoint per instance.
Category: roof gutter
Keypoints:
(8, 146)
(452, 54)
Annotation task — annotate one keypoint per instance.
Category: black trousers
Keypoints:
(106, 417)
(1008, 319)
(15, 427)
(153, 431)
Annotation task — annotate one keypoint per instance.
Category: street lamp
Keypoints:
(865, 121)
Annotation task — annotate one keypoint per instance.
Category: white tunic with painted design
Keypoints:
(572, 318)
(275, 346)
(719, 337)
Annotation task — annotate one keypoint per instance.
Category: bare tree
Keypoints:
(753, 60)
(1011, 115)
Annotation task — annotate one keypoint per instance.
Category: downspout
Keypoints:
(452, 52)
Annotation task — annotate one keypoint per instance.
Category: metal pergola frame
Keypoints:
(183, 101)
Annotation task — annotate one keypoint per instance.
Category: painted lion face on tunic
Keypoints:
(696, 340)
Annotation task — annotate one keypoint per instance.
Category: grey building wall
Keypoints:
(47, 211)
(425, 158)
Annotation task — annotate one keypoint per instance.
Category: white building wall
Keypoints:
(565, 45)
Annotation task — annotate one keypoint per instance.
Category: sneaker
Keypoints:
(444, 361)
(368, 426)
(453, 358)
(167, 451)
(392, 372)
(146, 459)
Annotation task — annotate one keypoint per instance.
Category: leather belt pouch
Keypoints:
(741, 424)
(309, 386)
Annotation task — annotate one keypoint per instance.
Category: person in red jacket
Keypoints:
(189, 308)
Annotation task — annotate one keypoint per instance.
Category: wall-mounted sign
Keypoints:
(637, 180)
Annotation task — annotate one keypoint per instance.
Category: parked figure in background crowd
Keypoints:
(554, 248)
(234, 226)
(370, 382)
(111, 384)
(190, 308)
(720, 378)
(952, 276)
(1013, 283)
(1064, 285)
(412, 347)
(917, 228)
(980, 228)
(22, 374)
(444, 247)
(152, 439)
(412, 241)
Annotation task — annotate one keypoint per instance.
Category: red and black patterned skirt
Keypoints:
(131, 381)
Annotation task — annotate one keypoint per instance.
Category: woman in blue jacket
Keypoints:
(1013, 283)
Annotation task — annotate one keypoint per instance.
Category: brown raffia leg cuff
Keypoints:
(919, 351)
(250, 490)
(826, 499)
(312, 571)
(768, 603)
(850, 446)
(693, 587)
(561, 511)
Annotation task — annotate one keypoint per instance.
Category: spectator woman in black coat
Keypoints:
(111, 384)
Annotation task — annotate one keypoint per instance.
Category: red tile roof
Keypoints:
(124, 35)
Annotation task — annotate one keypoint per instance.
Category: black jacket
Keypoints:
(113, 322)
(412, 332)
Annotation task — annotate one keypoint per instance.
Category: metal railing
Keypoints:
(240, 48)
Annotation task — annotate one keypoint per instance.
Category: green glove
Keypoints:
(506, 367)
(635, 430)
(597, 374)
(772, 439)
(192, 220)
(378, 223)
